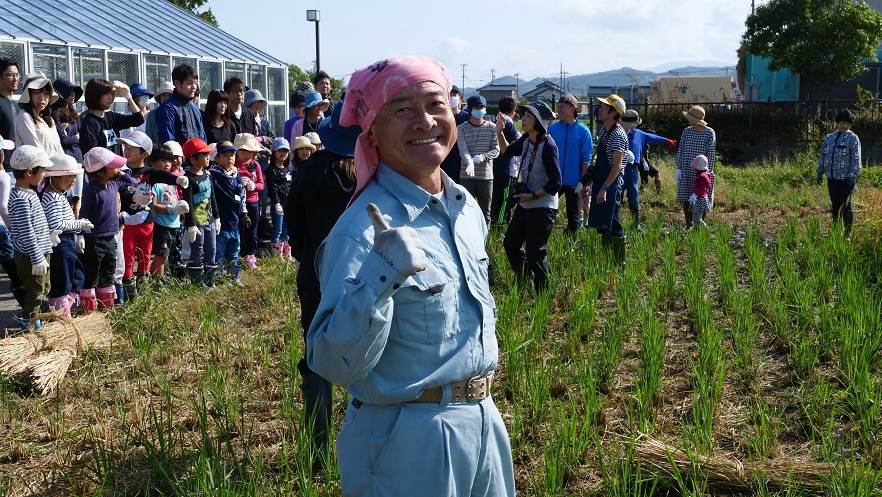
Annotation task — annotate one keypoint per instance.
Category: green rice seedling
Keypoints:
(756, 263)
(745, 336)
(622, 474)
(563, 455)
(763, 436)
(589, 389)
(652, 353)
(855, 480)
(726, 270)
(537, 392)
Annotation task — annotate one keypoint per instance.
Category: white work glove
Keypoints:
(84, 224)
(41, 268)
(678, 173)
(217, 225)
(179, 207)
(190, 234)
(182, 181)
(470, 166)
(279, 210)
(478, 159)
(692, 199)
(141, 199)
(249, 185)
(81, 244)
(54, 238)
(400, 247)
(133, 219)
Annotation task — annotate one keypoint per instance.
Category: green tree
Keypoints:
(826, 41)
(296, 75)
(195, 8)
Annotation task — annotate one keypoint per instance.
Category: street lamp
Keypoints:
(315, 16)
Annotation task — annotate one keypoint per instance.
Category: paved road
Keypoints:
(8, 306)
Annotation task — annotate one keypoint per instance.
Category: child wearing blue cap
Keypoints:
(229, 194)
(279, 175)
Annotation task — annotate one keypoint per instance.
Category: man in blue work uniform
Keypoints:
(407, 321)
(573, 140)
(638, 140)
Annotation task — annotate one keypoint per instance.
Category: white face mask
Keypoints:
(143, 100)
(454, 103)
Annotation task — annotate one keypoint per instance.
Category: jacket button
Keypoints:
(383, 278)
(459, 197)
(396, 286)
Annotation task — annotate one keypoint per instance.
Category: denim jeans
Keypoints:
(227, 248)
(280, 229)
(203, 248)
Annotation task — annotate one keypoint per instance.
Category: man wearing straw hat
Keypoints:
(697, 139)
(606, 190)
(407, 321)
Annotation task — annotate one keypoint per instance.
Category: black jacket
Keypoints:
(278, 183)
(317, 199)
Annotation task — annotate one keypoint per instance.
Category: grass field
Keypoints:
(753, 348)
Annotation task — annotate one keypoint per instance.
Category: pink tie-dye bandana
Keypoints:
(369, 89)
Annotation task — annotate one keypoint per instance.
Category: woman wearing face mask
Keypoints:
(453, 163)
(216, 118)
(34, 126)
(142, 97)
(478, 147)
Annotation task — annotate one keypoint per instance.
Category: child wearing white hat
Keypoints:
(65, 269)
(30, 231)
(699, 198)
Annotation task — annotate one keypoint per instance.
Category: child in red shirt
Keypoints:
(698, 199)
(252, 177)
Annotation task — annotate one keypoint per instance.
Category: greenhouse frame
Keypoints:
(84, 39)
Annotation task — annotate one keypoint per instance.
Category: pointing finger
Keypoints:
(376, 216)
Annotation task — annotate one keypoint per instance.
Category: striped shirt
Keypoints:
(478, 140)
(30, 232)
(59, 215)
(616, 141)
(694, 142)
(840, 156)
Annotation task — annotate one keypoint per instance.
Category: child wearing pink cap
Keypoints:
(100, 205)
(699, 198)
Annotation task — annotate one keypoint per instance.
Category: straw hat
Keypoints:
(303, 142)
(695, 115)
(247, 142)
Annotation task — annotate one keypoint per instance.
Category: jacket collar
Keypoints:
(413, 198)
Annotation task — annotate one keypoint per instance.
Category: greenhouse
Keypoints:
(85, 39)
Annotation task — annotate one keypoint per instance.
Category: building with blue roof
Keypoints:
(84, 39)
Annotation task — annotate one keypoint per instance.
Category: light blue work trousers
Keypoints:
(454, 450)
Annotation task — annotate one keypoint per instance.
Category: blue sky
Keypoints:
(530, 37)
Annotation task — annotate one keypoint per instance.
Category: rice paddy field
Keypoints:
(739, 360)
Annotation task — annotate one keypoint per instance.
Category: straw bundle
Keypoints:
(45, 356)
(666, 461)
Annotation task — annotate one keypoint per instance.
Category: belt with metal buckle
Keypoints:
(474, 390)
(466, 391)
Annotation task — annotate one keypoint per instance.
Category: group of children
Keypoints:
(196, 205)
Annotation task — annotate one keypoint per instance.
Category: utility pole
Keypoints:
(517, 85)
(492, 75)
(752, 6)
(463, 76)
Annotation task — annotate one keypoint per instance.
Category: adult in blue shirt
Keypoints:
(298, 109)
(179, 117)
(573, 140)
(407, 322)
(638, 140)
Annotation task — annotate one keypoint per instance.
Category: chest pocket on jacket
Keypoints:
(425, 307)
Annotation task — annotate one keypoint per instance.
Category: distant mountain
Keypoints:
(674, 65)
(624, 77)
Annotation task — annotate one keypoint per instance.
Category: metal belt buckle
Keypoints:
(478, 388)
